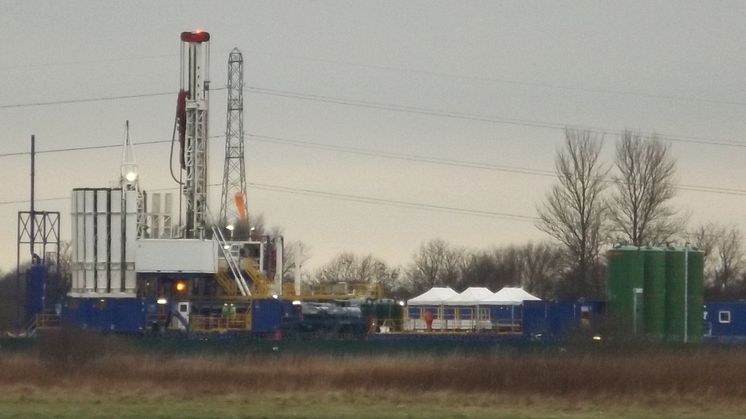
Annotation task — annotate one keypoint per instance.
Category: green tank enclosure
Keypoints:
(654, 297)
(624, 288)
(675, 294)
(695, 291)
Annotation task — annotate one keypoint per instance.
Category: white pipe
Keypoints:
(686, 293)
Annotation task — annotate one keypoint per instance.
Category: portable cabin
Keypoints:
(725, 321)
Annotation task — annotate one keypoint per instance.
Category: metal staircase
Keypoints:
(260, 284)
(222, 276)
(226, 282)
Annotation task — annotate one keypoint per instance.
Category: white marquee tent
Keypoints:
(435, 296)
(471, 296)
(508, 296)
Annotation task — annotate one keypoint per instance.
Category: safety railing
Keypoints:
(232, 263)
(48, 321)
(226, 282)
(212, 323)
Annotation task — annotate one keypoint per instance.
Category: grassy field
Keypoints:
(86, 376)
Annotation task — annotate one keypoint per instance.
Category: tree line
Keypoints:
(591, 206)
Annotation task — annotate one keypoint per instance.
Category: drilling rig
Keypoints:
(134, 268)
(192, 121)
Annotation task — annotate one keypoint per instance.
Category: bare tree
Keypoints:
(294, 255)
(705, 237)
(730, 258)
(351, 269)
(493, 269)
(640, 207)
(543, 266)
(435, 264)
(478, 268)
(535, 267)
(574, 211)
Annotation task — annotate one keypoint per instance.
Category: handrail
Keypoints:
(212, 323)
(260, 282)
(47, 321)
(232, 264)
(225, 282)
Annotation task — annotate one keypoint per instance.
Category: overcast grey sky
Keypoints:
(487, 84)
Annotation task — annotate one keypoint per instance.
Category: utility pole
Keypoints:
(29, 227)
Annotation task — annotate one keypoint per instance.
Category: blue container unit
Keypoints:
(725, 321)
(267, 314)
(505, 313)
(117, 315)
(548, 319)
(36, 277)
(552, 319)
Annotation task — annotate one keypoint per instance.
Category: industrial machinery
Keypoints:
(157, 263)
(136, 267)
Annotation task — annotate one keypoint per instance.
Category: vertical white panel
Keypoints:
(89, 220)
(116, 240)
(130, 242)
(156, 219)
(74, 261)
(102, 241)
(167, 208)
(298, 266)
(80, 242)
(279, 245)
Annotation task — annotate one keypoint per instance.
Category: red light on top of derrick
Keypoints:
(197, 36)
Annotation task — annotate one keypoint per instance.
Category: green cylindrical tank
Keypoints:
(625, 281)
(695, 292)
(654, 295)
(676, 294)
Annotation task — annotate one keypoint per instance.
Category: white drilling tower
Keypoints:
(192, 108)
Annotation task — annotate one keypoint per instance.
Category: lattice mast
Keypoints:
(192, 120)
(233, 199)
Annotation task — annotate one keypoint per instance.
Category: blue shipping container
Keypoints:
(725, 321)
(267, 314)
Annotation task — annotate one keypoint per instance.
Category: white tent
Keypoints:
(433, 297)
(470, 297)
(508, 296)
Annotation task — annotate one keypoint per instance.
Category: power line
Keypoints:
(25, 201)
(346, 197)
(391, 68)
(394, 156)
(84, 100)
(389, 202)
(510, 81)
(477, 117)
(92, 147)
(398, 156)
(405, 109)
(462, 163)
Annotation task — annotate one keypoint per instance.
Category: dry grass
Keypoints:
(89, 370)
(78, 359)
